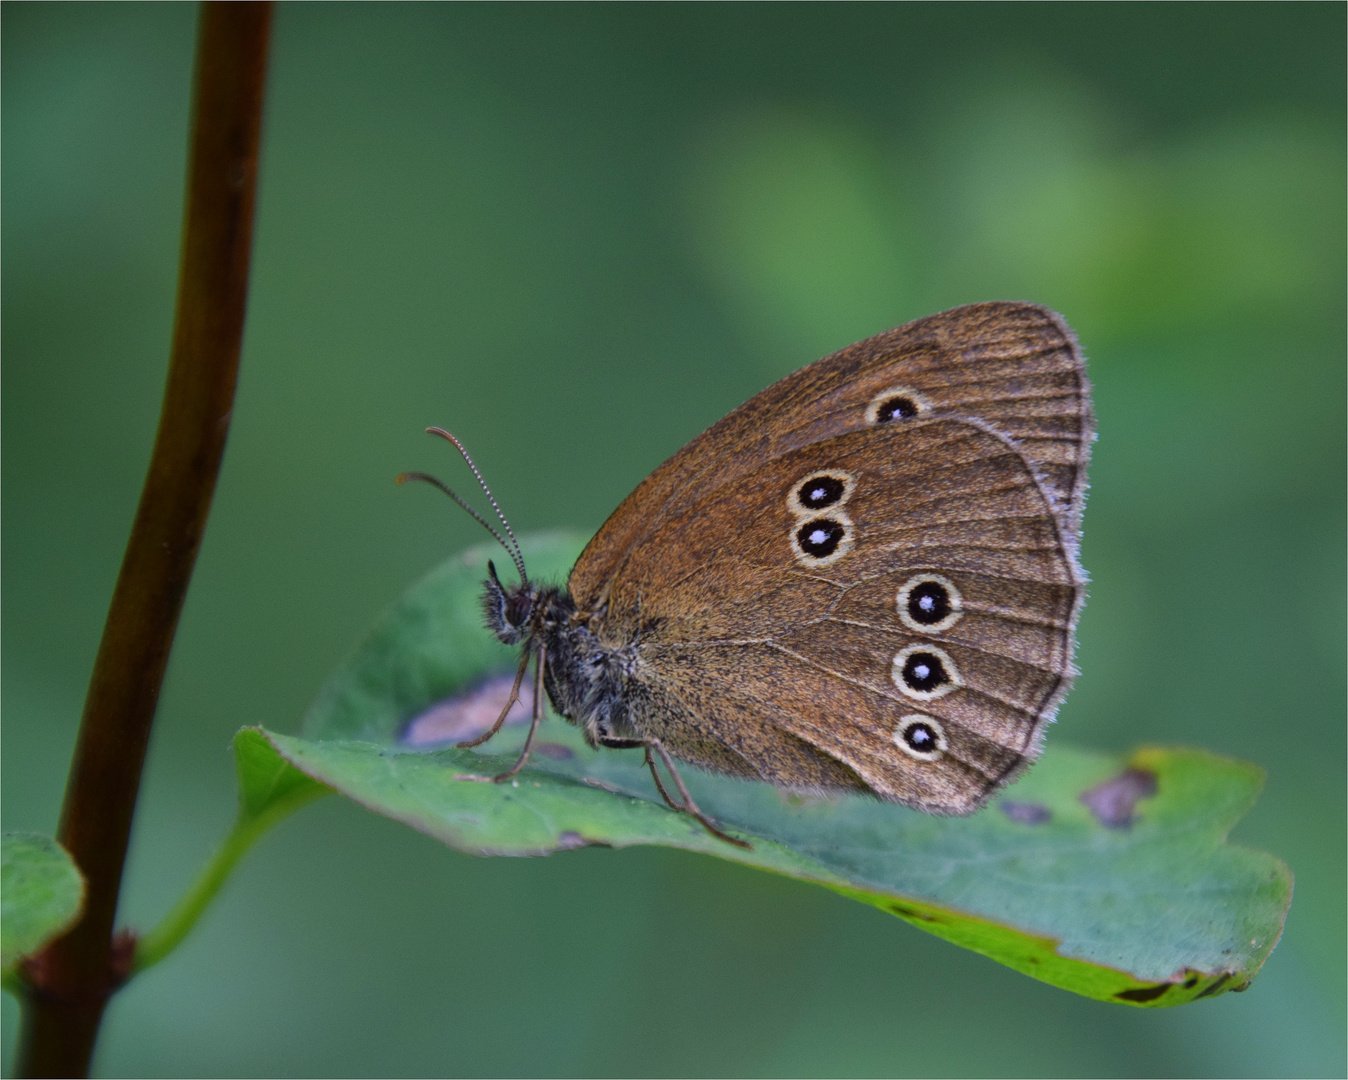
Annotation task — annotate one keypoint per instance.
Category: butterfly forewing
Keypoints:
(1014, 366)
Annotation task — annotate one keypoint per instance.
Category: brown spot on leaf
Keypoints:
(1208, 991)
(1027, 813)
(1114, 801)
(469, 714)
(555, 750)
(912, 913)
(1144, 993)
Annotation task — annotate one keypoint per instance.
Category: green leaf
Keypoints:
(1104, 875)
(41, 895)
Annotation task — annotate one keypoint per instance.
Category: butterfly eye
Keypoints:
(896, 403)
(822, 541)
(929, 602)
(925, 672)
(518, 608)
(921, 737)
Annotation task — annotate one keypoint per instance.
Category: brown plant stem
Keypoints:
(70, 982)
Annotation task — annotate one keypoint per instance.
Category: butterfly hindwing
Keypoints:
(793, 620)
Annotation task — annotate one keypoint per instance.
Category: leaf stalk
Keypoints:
(247, 829)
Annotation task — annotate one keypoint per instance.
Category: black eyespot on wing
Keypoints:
(928, 603)
(820, 537)
(924, 672)
(920, 737)
(820, 491)
(898, 407)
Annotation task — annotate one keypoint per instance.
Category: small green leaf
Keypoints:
(1103, 875)
(41, 895)
(268, 789)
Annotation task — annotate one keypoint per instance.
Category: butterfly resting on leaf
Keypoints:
(864, 579)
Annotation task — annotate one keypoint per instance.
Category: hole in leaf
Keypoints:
(1114, 801)
(470, 713)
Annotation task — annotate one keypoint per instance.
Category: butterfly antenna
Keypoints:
(513, 548)
(517, 554)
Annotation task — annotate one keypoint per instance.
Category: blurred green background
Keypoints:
(576, 236)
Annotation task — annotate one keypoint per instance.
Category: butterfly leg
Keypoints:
(510, 702)
(689, 806)
(659, 786)
(509, 774)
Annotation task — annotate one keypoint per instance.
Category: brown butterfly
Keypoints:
(863, 579)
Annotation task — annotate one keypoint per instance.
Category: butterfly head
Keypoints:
(510, 609)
